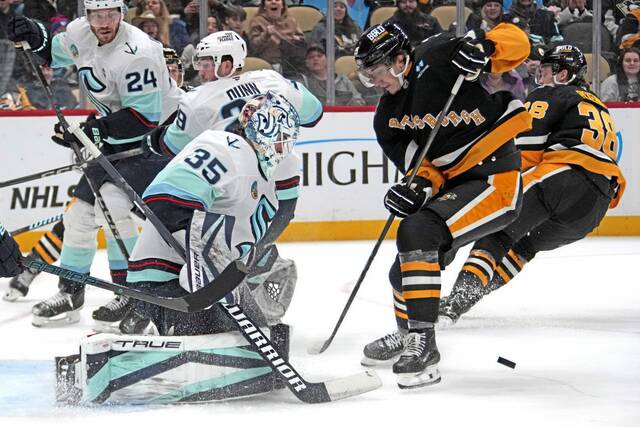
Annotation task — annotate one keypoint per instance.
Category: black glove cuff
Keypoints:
(488, 46)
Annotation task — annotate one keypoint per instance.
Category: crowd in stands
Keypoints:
(295, 44)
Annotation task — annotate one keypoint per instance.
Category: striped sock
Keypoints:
(400, 309)
(421, 285)
(510, 265)
(481, 264)
(48, 247)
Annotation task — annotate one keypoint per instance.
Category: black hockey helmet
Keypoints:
(380, 44)
(566, 57)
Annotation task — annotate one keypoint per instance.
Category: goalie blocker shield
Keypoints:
(131, 369)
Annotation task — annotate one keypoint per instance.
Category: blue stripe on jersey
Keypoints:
(114, 141)
(175, 138)
(165, 188)
(148, 104)
(311, 109)
(2, 229)
(59, 56)
(288, 194)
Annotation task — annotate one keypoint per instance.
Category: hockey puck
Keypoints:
(507, 363)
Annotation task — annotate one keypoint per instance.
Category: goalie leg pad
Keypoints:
(117, 369)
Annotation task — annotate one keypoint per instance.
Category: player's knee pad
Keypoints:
(425, 231)
(273, 290)
(80, 225)
(119, 207)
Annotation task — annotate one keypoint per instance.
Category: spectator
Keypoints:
(275, 36)
(157, 9)
(62, 94)
(148, 23)
(575, 11)
(624, 84)
(7, 10)
(346, 30)
(629, 31)
(509, 81)
(233, 18)
(316, 80)
(529, 68)
(42, 10)
(542, 23)
(489, 15)
(213, 24)
(416, 24)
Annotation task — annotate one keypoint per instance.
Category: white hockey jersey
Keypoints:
(220, 170)
(129, 72)
(216, 105)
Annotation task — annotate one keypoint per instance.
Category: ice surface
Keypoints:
(571, 322)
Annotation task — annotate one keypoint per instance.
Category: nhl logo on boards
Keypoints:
(254, 190)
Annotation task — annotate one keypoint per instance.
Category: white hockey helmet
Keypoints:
(271, 124)
(103, 4)
(219, 44)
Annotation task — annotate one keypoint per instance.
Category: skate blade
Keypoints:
(430, 376)
(62, 319)
(377, 363)
(106, 327)
(444, 323)
(12, 295)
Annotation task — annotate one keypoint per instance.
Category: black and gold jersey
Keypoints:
(478, 124)
(571, 126)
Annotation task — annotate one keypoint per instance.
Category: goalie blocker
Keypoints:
(143, 369)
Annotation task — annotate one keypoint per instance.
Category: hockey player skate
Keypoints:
(136, 322)
(466, 293)
(19, 285)
(418, 364)
(107, 316)
(385, 350)
(62, 308)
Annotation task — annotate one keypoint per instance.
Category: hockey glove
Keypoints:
(469, 59)
(93, 127)
(152, 141)
(20, 28)
(10, 255)
(403, 201)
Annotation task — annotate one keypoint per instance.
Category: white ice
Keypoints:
(570, 321)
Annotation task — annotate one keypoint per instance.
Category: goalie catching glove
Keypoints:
(93, 127)
(402, 200)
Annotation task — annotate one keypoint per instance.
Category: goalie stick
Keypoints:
(308, 392)
(65, 169)
(203, 298)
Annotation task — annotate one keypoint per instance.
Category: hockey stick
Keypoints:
(226, 281)
(37, 224)
(92, 185)
(307, 392)
(387, 225)
(67, 168)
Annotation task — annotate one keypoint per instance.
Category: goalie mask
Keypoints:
(271, 125)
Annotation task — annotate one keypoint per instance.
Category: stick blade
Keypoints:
(353, 385)
(318, 347)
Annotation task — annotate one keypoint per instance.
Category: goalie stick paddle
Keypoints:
(308, 392)
(203, 298)
(454, 91)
